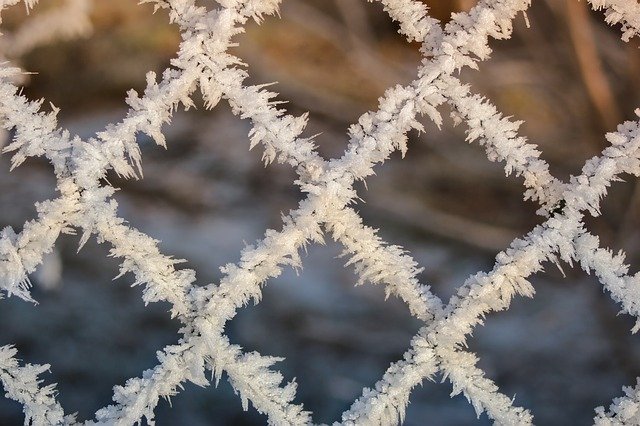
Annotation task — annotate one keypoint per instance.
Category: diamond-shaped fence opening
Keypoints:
(86, 205)
(322, 55)
(335, 338)
(437, 194)
(538, 352)
(112, 40)
(93, 341)
(570, 82)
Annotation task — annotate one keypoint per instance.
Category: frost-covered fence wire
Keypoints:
(86, 205)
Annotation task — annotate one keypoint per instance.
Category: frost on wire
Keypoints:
(85, 204)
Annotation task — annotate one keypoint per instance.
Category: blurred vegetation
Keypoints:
(569, 77)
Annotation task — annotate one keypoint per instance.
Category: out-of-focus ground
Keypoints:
(561, 354)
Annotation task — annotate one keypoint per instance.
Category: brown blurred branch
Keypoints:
(466, 4)
(590, 64)
(420, 216)
(356, 20)
(359, 48)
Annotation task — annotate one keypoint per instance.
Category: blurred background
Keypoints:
(569, 76)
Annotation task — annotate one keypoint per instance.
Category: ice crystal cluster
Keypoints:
(86, 205)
